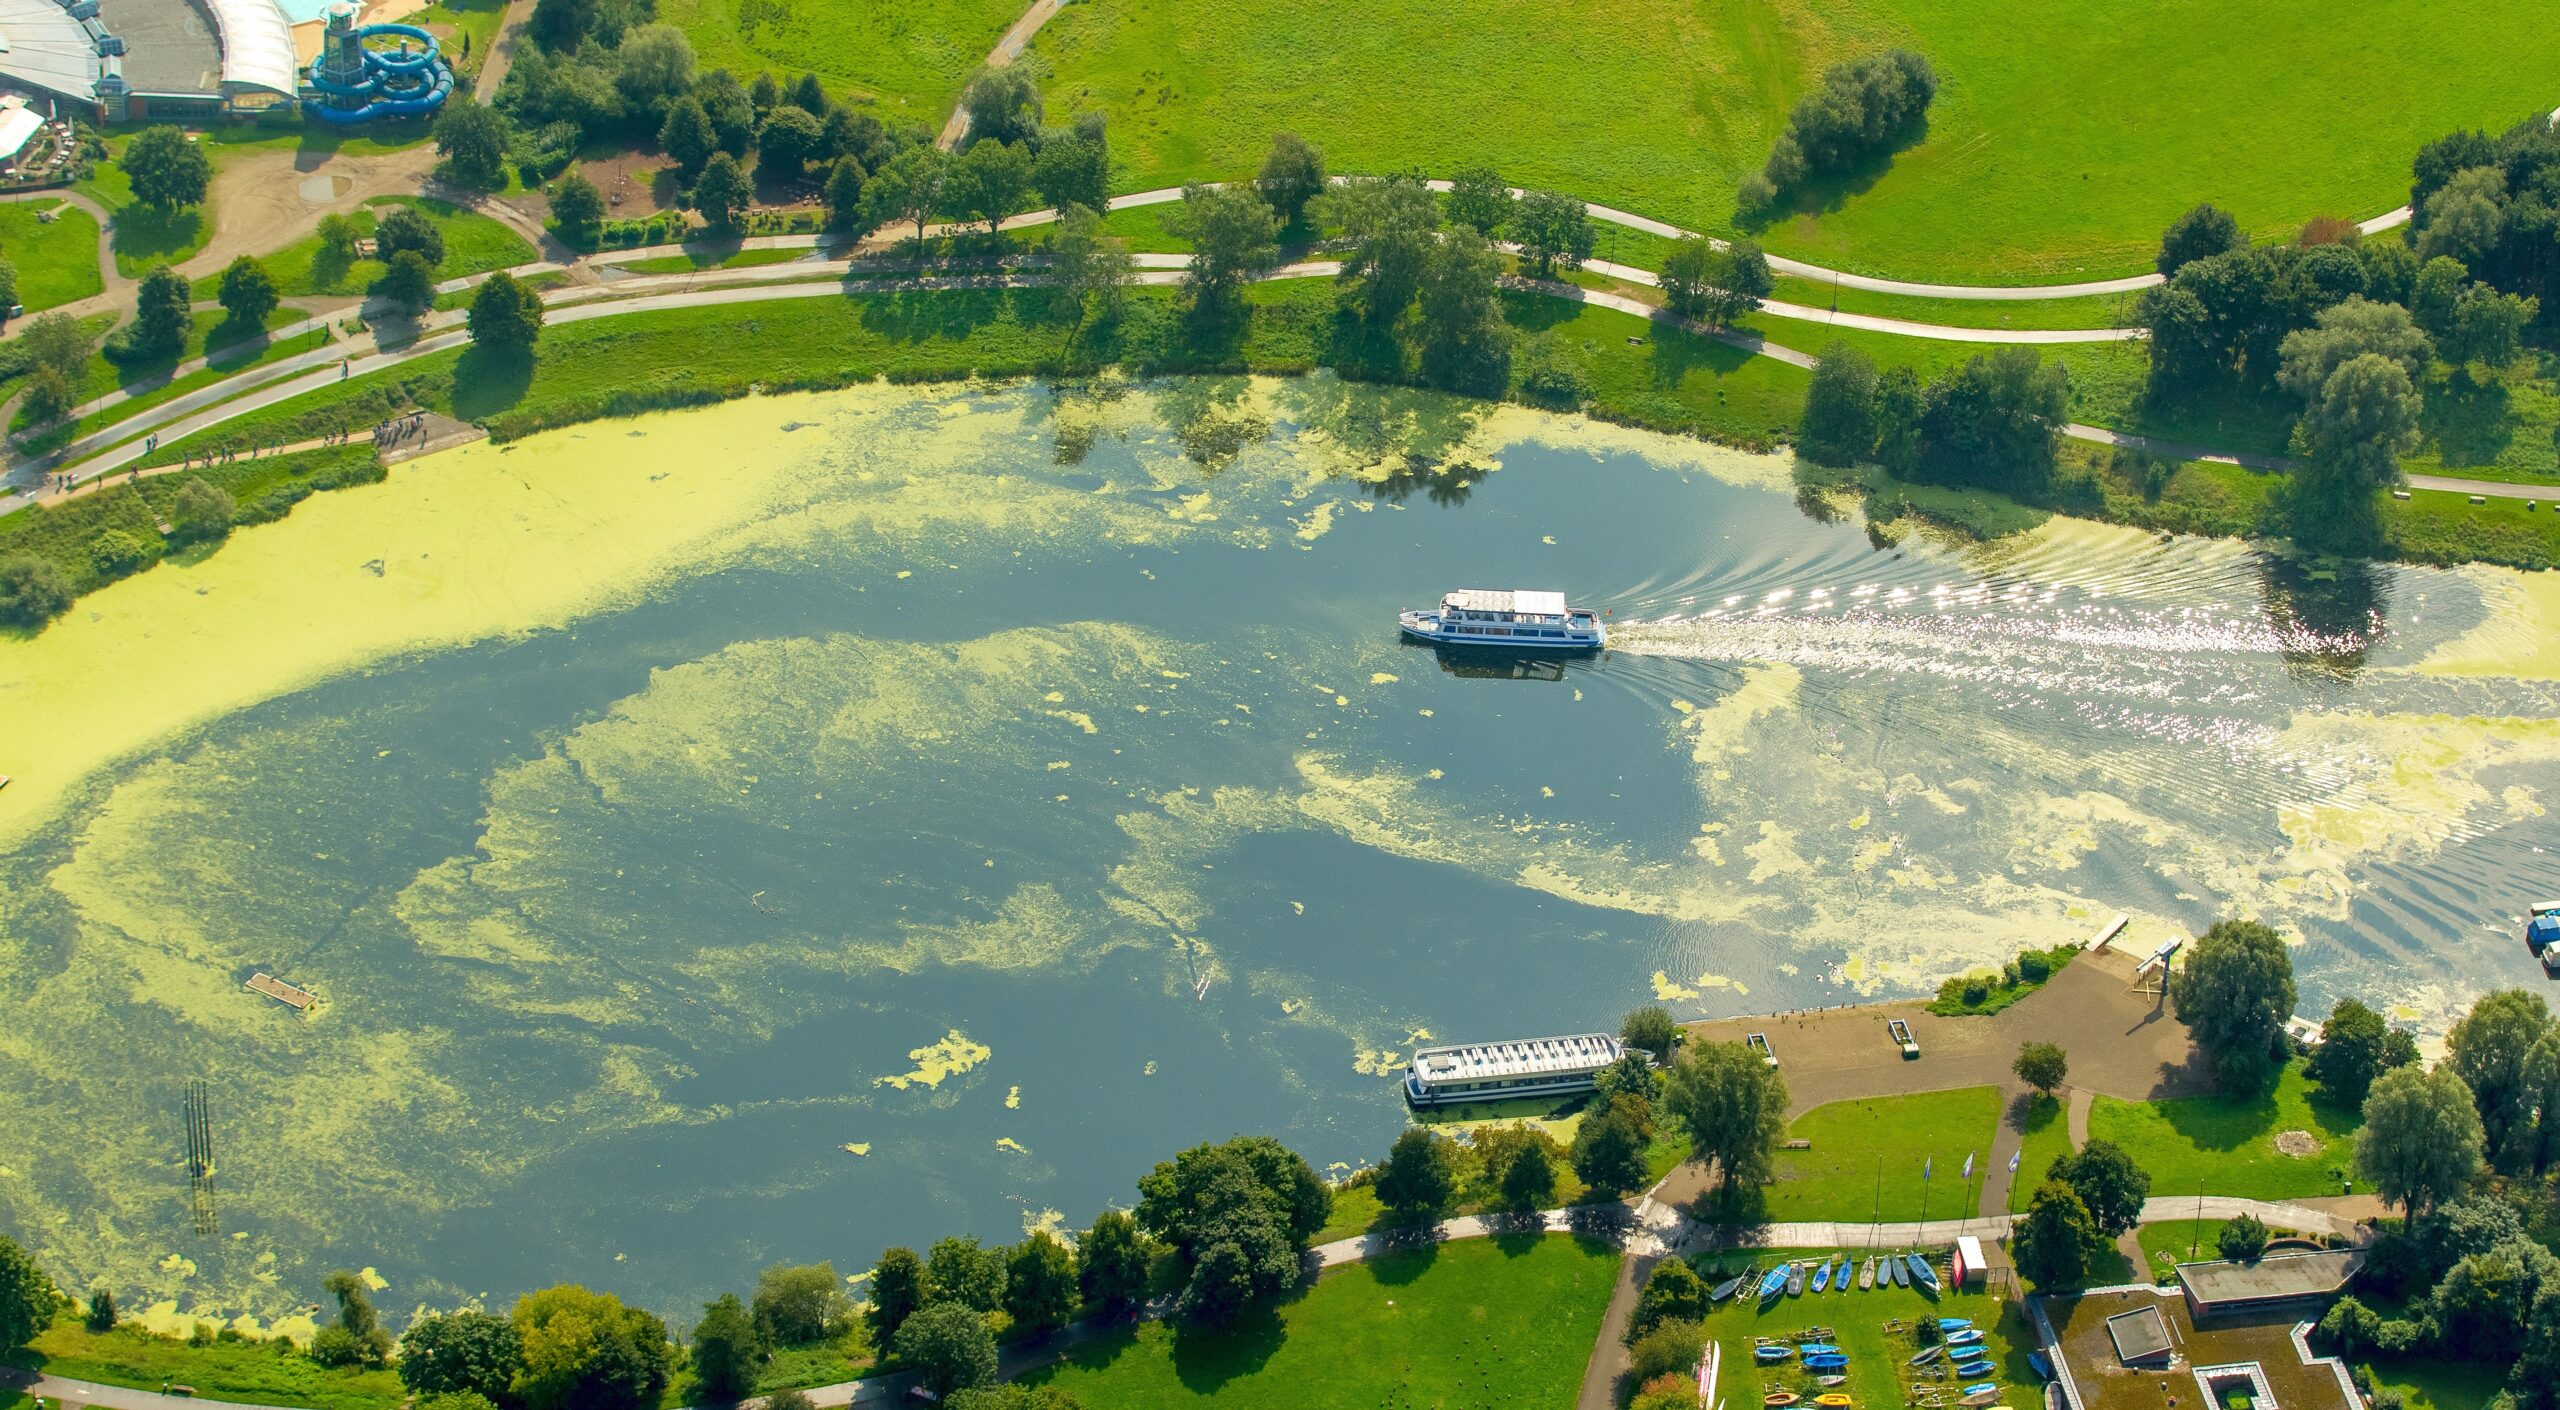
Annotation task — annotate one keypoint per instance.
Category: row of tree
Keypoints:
(1993, 421)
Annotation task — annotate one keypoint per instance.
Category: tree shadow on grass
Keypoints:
(1821, 193)
(922, 315)
(1205, 1360)
(1536, 313)
(1415, 1251)
(2223, 1122)
(151, 234)
(486, 383)
(1675, 352)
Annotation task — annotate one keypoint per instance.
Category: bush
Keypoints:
(200, 512)
(2033, 967)
(336, 1346)
(2399, 1336)
(32, 593)
(2350, 1326)
(120, 553)
(1670, 1349)
(2243, 1239)
(1669, 1392)
(1976, 989)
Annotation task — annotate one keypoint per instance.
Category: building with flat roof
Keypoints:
(144, 59)
(2141, 1348)
(2276, 1281)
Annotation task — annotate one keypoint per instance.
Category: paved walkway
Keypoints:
(502, 50)
(116, 285)
(1008, 48)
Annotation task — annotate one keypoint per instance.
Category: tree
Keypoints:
(959, 1270)
(2421, 1138)
(1839, 426)
(1552, 229)
(1238, 1214)
(2201, 233)
(2110, 1186)
(28, 1298)
(721, 193)
(1465, 345)
(2242, 1239)
(577, 207)
(687, 136)
(656, 67)
(1040, 1283)
(1672, 1292)
(1111, 1262)
(2436, 291)
(405, 227)
(2481, 1304)
(2466, 219)
(409, 285)
(2235, 992)
(586, 1351)
(2542, 1087)
(161, 313)
(1093, 270)
(2488, 327)
(1233, 238)
(1669, 1348)
(1733, 1105)
(335, 1347)
(248, 293)
(2489, 1051)
(726, 1349)
(1609, 1146)
(100, 1314)
(988, 183)
(809, 95)
(843, 195)
(32, 590)
(1992, 422)
(2057, 1240)
(1291, 176)
(2354, 1049)
(2349, 329)
(2347, 446)
(949, 1347)
(1530, 1181)
(1744, 281)
(338, 236)
(1420, 1176)
(1652, 1031)
(505, 316)
(764, 92)
(1717, 286)
(909, 188)
(473, 142)
(1479, 200)
(200, 512)
(1633, 1074)
(2042, 1066)
(897, 1291)
(1688, 275)
(460, 1352)
(8, 287)
(1003, 105)
(796, 1305)
(731, 112)
(2349, 1325)
(1391, 224)
(789, 138)
(167, 170)
(2538, 1368)
(1073, 170)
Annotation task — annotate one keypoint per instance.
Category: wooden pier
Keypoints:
(291, 996)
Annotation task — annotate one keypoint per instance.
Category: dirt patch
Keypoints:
(2297, 1144)
(644, 180)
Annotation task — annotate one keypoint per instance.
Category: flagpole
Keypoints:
(1877, 1218)
(1926, 1165)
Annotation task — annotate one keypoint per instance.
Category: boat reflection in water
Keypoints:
(1496, 663)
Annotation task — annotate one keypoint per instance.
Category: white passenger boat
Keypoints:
(1486, 1072)
(1512, 620)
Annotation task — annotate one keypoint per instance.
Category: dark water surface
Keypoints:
(623, 923)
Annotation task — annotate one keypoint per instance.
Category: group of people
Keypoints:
(399, 428)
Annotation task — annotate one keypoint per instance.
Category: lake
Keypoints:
(778, 830)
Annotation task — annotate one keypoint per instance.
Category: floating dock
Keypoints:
(291, 996)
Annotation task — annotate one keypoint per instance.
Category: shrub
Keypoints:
(2009, 975)
(1667, 1392)
(1668, 1350)
(102, 1311)
(119, 553)
(2243, 1239)
(32, 593)
(2399, 1336)
(2350, 1326)
(336, 1346)
(200, 512)
(1976, 989)
(2034, 967)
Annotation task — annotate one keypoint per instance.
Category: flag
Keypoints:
(2013, 1160)
(1968, 1165)
(1925, 1162)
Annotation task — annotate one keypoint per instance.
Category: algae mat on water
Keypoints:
(778, 830)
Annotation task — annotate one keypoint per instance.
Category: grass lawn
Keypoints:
(910, 56)
(2111, 311)
(1481, 1322)
(2496, 428)
(472, 243)
(2048, 1140)
(2438, 526)
(57, 262)
(692, 260)
(1873, 1327)
(2438, 1383)
(1838, 1177)
(2055, 150)
(2167, 1244)
(2226, 1145)
(104, 376)
(259, 1372)
(453, 20)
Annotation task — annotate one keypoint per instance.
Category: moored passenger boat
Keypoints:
(1488, 1072)
(1508, 618)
